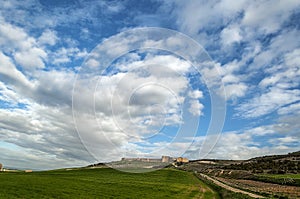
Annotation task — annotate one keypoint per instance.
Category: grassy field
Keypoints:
(103, 183)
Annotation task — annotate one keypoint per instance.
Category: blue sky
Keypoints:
(93, 81)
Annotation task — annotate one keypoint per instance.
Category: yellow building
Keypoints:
(182, 160)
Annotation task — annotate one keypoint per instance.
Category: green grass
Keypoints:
(282, 179)
(103, 183)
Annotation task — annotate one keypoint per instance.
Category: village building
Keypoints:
(28, 171)
(166, 159)
(182, 160)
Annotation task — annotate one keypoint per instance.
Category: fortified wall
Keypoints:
(164, 159)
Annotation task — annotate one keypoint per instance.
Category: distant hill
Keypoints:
(273, 164)
(289, 156)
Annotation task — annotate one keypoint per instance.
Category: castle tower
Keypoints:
(165, 159)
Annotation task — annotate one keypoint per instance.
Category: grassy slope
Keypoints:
(103, 183)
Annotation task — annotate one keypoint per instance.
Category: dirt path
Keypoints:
(225, 186)
(257, 186)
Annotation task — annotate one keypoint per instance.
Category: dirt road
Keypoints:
(225, 186)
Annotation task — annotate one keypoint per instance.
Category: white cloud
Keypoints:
(196, 108)
(293, 58)
(235, 90)
(290, 109)
(232, 83)
(193, 17)
(196, 94)
(246, 144)
(147, 93)
(287, 139)
(261, 131)
(31, 58)
(278, 90)
(26, 52)
(134, 104)
(244, 22)
(140, 94)
(269, 81)
(12, 35)
(26, 157)
(10, 72)
(279, 46)
(288, 125)
(268, 102)
(261, 17)
(48, 37)
(230, 35)
(165, 65)
(65, 55)
(42, 133)
(268, 16)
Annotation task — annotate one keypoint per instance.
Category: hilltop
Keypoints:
(272, 164)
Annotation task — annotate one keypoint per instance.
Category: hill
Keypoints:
(272, 164)
(276, 176)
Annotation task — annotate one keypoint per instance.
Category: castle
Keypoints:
(163, 159)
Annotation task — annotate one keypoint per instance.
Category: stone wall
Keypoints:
(166, 159)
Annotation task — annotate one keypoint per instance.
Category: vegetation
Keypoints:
(285, 179)
(103, 183)
(275, 176)
(285, 176)
(275, 164)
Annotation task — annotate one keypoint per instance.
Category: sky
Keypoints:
(94, 81)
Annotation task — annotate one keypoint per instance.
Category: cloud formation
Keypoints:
(133, 101)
